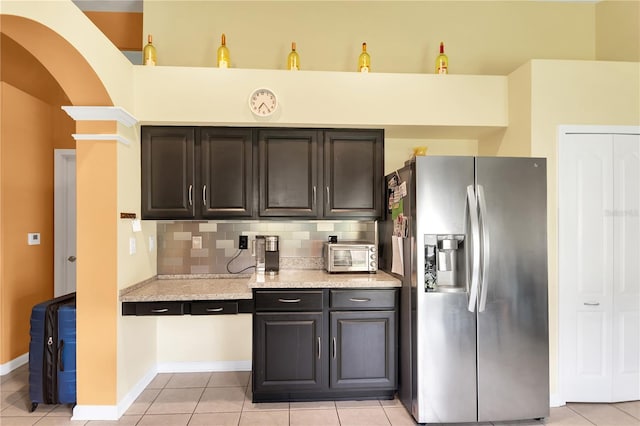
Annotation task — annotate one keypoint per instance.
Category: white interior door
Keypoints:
(599, 266)
(585, 272)
(64, 221)
(626, 268)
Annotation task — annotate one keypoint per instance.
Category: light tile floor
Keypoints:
(211, 399)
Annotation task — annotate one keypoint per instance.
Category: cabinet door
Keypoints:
(226, 171)
(168, 175)
(353, 173)
(585, 221)
(626, 268)
(363, 350)
(289, 173)
(287, 351)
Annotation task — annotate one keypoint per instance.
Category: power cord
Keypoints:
(235, 256)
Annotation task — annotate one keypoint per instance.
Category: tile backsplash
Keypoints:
(300, 243)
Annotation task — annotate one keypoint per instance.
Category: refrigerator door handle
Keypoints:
(486, 252)
(475, 241)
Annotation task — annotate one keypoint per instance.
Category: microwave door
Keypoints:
(342, 258)
(359, 259)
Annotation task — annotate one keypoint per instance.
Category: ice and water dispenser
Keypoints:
(444, 263)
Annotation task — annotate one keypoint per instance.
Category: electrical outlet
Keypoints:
(196, 242)
(243, 242)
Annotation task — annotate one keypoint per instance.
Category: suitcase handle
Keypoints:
(60, 364)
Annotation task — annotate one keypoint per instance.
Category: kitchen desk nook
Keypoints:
(316, 336)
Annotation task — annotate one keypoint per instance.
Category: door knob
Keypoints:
(71, 258)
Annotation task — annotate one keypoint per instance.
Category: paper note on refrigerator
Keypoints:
(397, 262)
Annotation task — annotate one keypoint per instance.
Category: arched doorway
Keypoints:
(96, 205)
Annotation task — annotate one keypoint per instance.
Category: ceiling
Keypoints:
(109, 5)
(137, 5)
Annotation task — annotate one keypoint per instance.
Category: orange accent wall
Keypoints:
(97, 236)
(33, 125)
(63, 128)
(124, 29)
(97, 126)
(27, 206)
(70, 70)
(22, 70)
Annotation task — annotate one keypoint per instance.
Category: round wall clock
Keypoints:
(263, 102)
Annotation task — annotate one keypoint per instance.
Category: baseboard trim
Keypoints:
(13, 364)
(192, 367)
(555, 400)
(135, 392)
(114, 412)
(95, 412)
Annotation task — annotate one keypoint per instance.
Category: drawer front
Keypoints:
(363, 299)
(213, 308)
(159, 308)
(272, 301)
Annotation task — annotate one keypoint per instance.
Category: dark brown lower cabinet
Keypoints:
(288, 351)
(324, 344)
(363, 352)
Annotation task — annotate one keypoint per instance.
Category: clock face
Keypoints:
(263, 102)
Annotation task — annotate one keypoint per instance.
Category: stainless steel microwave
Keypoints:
(351, 256)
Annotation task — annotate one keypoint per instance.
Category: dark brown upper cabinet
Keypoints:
(289, 173)
(226, 172)
(168, 172)
(196, 173)
(353, 173)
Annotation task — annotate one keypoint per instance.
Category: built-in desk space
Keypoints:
(188, 295)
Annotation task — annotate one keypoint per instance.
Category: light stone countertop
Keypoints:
(223, 287)
(162, 289)
(322, 279)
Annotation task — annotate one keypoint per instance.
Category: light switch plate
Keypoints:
(33, 238)
(132, 245)
(151, 243)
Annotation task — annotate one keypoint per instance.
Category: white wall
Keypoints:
(204, 343)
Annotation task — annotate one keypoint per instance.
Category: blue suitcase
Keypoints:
(52, 352)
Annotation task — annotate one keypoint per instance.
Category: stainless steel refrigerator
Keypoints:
(474, 341)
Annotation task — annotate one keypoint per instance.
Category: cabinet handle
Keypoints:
(289, 300)
(314, 196)
(319, 348)
(190, 195)
(360, 299)
(214, 309)
(159, 311)
(204, 195)
(334, 348)
(327, 202)
(592, 303)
